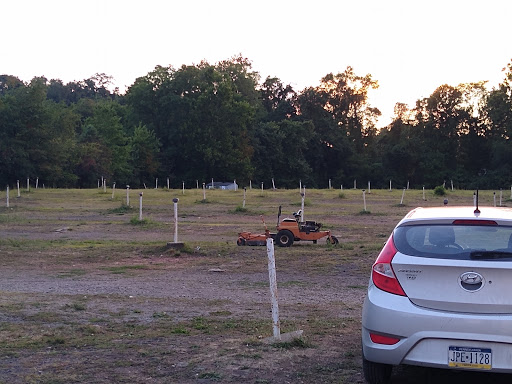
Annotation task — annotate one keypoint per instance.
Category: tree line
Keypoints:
(221, 121)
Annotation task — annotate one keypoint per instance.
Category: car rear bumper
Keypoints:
(425, 335)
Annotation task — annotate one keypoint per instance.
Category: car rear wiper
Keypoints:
(490, 255)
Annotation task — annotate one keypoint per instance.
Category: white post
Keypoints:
(105, 185)
(474, 199)
(390, 185)
(168, 184)
(197, 184)
(403, 194)
(183, 188)
(245, 191)
(407, 184)
(140, 206)
(127, 195)
(355, 185)
(364, 200)
(18, 185)
(204, 191)
(250, 186)
(212, 182)
(452, 184)
(423, 193)
(273, 288)
(28, 184)
(7, 193)
(330, 187)
(304, 190)
(369, 189)
(236, 187)
(262, 187)
(494, 198)
(273, 184)
(98, 183)
(300, 187)
(37, 182)
(303, 195)
(341, 187)
(175, 201)
(113, 189)
(144, 184)
(156, 183)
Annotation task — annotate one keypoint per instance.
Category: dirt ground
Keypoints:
(88, 297)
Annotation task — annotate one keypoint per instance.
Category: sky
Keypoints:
(409, 46)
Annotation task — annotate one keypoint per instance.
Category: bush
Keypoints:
(439, 190)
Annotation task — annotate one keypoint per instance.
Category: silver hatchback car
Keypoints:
(440, 293)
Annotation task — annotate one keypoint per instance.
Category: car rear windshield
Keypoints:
(455, 241)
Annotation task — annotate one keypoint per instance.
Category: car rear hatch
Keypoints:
(459, 267)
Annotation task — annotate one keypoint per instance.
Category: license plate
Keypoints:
(467, 357)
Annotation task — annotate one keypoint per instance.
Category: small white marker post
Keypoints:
(236, 186)
(407, 184)
(369, 189)
(140, 206)
(197, 184)
(7, 193)
(113, 189)
(273, 184)
(261, 187)
(105, 185)
(364, 200)
(389, 185)
(98, 183)
(204, 191)
(300, 186)
(37, 182)
(355, 184)
(303, 195)
(250, 187)
(183, 188)
(175, 201)
(424, 193)
(18, 185)
(452, 184)
(156, 183)
(28, 184)
(245, 192)
(402, 200)
(330, 187)
(474, 199)
(127, 195)
(276, 327)
(167, 183)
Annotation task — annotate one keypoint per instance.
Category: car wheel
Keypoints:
(376, 373)
(284, 238)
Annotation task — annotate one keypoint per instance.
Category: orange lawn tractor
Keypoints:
(288, 231)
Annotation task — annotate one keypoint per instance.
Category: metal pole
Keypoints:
(273, 288)
(403, 194)
(175, 201)
(364, 199)
(18, 185)
(127, 195)
(140, 206)
(303, 194)
(204, 191)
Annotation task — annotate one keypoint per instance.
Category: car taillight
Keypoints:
(380, 339)
(382, 272)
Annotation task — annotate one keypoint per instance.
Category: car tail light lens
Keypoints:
(380, 339)
(382, 272)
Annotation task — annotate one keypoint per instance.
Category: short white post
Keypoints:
(140, 206)
(341, 187)
(37, 182)
(204, 191)
(236, 186)
(330, 186)
(18, 186)
(304, 190)
(144, 184)
(168, 184)
(355, 184)
(197, 184)
(452, 184)
(245, 192)
(7, 193)
(127, 195)
(105, 185)
(273, 184)
(424, 193)
(98, 183)
(28, 184)
(300, 187)
(212, 183)
(474, 199)
(156, 183)
(262, 187)
(175, 201)
(369, 188)
(250, 187)
(407, 184)
(390, 185)
(113, 189)
(273, 288)
(364, 200)
(303, 195)
(183, 188)
(403, 194)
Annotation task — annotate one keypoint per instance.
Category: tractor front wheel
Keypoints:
(284, 238)
(333, 240)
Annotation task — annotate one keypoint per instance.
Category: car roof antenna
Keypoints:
(476, 203)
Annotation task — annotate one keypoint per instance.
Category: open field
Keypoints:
(88, 294)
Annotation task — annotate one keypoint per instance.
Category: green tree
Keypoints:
(144, 154)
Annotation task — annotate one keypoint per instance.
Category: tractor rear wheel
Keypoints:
(284, 238)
